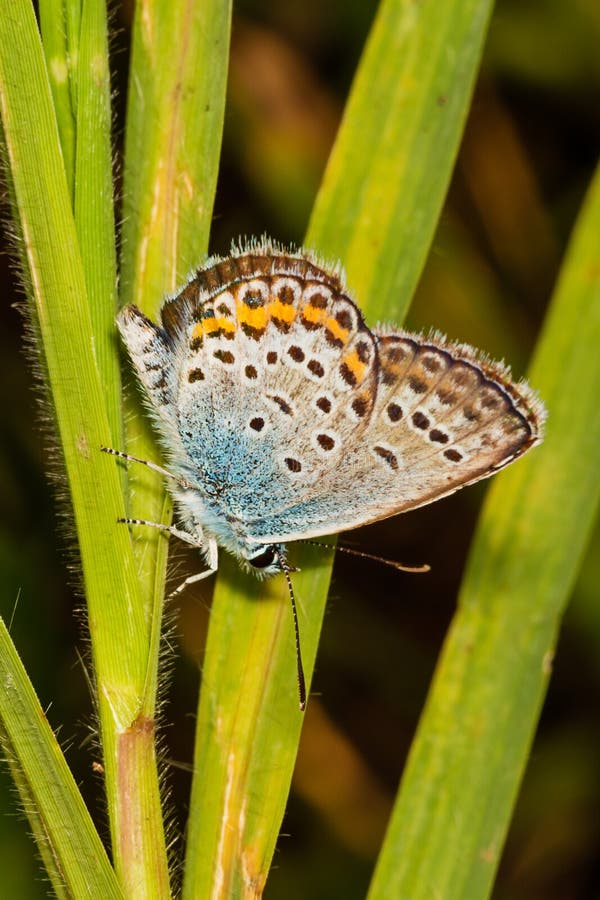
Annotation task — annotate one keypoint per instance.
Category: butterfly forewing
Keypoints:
(277, 374)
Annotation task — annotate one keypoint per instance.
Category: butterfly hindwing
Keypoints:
(441, 419)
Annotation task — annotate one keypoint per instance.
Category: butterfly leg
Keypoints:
(146, 462)
(209, 547)
(171, 529)
(212, 553)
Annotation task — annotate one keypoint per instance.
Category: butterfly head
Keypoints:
(267, 559)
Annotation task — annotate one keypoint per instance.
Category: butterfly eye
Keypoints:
(264, 559)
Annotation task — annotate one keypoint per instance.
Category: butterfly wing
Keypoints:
(441, 419)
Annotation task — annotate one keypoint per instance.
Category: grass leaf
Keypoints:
(80, 380)
(467, 761)
(173, 140)
(68, 842)
(248, 722)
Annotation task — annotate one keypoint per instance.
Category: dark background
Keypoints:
(527, 156)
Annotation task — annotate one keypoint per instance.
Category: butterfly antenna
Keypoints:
(299, 666)
(386, 562)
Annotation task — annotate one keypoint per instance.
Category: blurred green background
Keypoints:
(528, 152)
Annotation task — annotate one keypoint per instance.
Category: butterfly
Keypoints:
(284, 417)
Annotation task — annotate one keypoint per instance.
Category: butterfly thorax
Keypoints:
(205, 515)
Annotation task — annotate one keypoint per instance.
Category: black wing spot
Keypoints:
(387, 455)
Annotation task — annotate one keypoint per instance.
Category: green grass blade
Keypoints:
(53, 19)
(411, 98)
(175, 117)
(56, 281)
(70, 846)
(55, 275)
(94, 210)
(248, 721)
(75, 42)
(247, 731)
(142, 856)
(465, 766)
(173, 140)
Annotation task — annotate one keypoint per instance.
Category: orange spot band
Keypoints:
(283, 311)
(338, 332)
(314, 315)
(254, 317)
(209, 326)
(356, 366)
